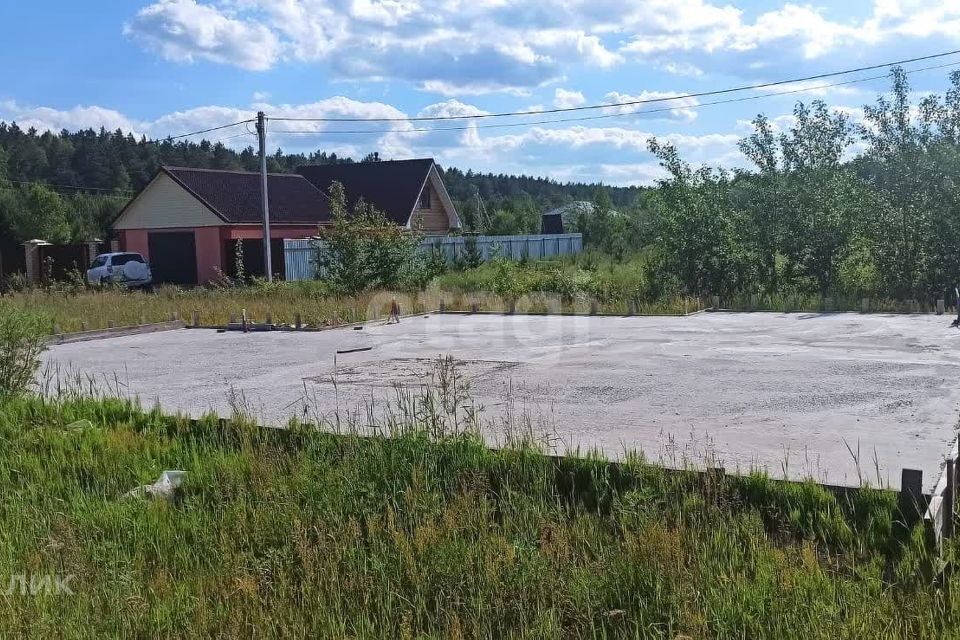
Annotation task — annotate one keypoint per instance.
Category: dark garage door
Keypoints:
(173, 257)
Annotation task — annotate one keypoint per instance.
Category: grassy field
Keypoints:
(97, 309)
(429, 534)
(578, 285)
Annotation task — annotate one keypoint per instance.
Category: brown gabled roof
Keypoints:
(392, 186)
(234, 196)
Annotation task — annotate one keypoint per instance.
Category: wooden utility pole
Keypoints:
(262, 137)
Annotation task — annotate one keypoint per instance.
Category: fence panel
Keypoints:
(13, 259)
(300, 255)
(58, 261)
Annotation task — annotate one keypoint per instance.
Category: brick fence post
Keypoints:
(31, 249)
(93, 250)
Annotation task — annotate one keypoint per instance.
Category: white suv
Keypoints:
(128, 269)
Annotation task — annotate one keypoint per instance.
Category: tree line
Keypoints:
(830, 206)
(68, 186)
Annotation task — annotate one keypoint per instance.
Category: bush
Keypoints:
(15, 282)
(22, 339)
(363, 250)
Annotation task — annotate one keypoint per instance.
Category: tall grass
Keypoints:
(98, 309)
(22, 340)
(429, 533)
(793, 302)
(579, 284)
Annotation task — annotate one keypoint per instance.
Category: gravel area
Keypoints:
(801, 395)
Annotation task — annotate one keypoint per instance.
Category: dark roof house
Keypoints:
(409, 192)
(187, 222)
(235, 195)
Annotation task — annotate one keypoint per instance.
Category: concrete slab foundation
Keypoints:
(841, 398)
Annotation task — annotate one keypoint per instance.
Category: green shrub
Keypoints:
(363, 250)
(21, 342)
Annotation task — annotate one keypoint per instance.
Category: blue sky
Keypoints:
(166, 67)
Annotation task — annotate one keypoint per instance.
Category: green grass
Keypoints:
(98, 309)
(570, 285)
(429, 534)
(811, 303)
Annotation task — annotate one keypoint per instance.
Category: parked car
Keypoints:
(127, 269)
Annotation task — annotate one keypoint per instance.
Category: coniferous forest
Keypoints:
(68, 186)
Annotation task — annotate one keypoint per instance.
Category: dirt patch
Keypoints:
(408, 372)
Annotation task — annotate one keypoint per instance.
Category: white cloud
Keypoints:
(778, 124)
(308, 135)
(566, 99)
(450, 108)
(817, 35)
(184, 31)
(915, 18)
(589, 48)
(338, 106)
(641, 174)
(682, 69)
(186, 121)
(80, 117)
(606, 139)
(386, 13)
(449, 47)
(457, 48)
(615, 155)
(471, 88)
(679, 108)
(819, 88)
(792, 27)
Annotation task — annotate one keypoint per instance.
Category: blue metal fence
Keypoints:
(300, 255)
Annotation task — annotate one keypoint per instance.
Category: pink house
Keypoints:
(188, 222)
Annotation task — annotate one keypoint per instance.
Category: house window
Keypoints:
(425, 198)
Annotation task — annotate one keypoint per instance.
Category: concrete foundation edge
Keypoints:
(101, 334)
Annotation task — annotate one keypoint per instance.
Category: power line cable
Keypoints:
(196, 133)
(95, 195)
(239, 135)
(70, 186)
(510, 125)
(629, 103)
(115, 193)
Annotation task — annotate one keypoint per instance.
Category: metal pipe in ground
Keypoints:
(948, 497)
